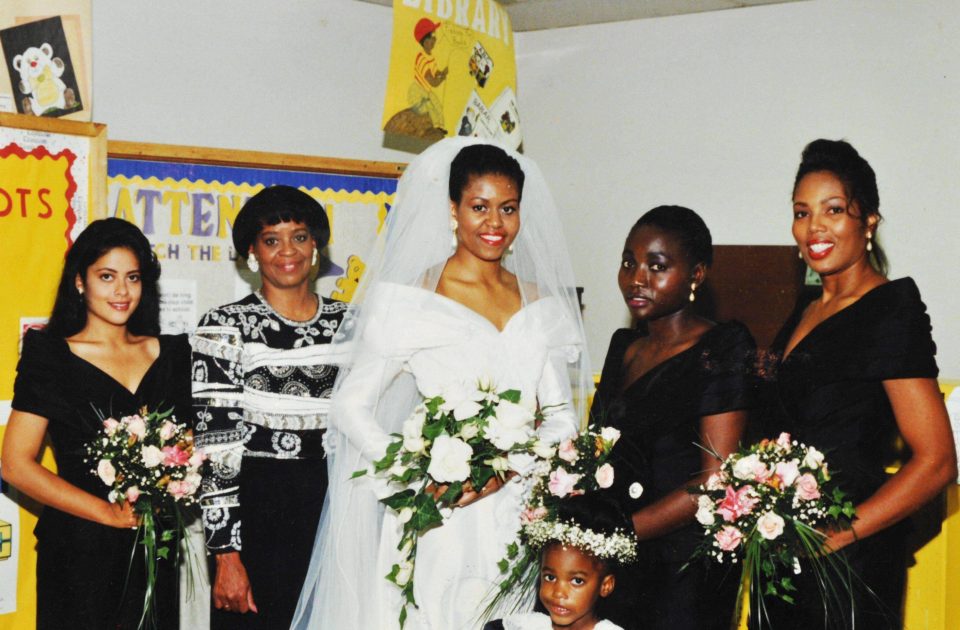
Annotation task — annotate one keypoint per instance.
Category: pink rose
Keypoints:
(736, 503)
(175, 456)
(562, 483)
(567, 451)
(133, 493)
(716, 481)
(106, 472)
(728, 538)
(167, 430)
(788, 472)
(785, 441)
(532, 515)
(136, 426)
(179, 489)
(604, 476)
(807, 487)
(197, 459)
(110, 426)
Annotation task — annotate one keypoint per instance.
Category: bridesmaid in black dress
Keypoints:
(679, 388)
(101, 355)
(855, 369)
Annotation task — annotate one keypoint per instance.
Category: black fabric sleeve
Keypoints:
(36, 388)
(897, 343)
(730, 382)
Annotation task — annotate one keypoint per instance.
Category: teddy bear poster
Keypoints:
(40, 67)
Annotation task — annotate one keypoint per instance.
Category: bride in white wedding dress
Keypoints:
(469, 280)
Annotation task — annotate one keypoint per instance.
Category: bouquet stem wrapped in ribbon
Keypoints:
(767, 508)
(149, 461)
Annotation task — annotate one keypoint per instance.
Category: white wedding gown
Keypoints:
(438, 341)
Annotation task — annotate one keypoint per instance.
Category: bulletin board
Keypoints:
(52, 171)
(185, 200)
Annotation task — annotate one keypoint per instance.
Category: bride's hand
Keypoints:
(469, 494)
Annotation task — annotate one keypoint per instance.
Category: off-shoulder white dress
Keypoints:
(438, 340)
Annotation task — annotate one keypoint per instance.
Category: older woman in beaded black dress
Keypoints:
(262, 376)
(679, 388)
(101, 355)
(855, 369)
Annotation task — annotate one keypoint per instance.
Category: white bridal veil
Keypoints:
(343, 589)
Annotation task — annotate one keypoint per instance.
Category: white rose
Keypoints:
(604, 476)
(151, 455)
(462, 399)
(705, 511)
(521, 463)
(413, 426)
(543, 449)
(413, 444)
(745, 467)
(106, 472)
(194, 479)
(167, 430)
(512, 425)
(469, 431)
(449, 459)
(609, 434)
(404, 574)
(499, 464)
(770, 525)
(813, 458)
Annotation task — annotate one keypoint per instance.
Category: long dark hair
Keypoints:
(839, 158)
(69, 314)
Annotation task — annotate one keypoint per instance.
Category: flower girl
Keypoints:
(581, 553)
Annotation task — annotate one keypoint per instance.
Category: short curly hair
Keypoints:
(279, 204)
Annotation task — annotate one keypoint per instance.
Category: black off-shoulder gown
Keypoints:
(81, 565)
(828, 392)
(659, 451)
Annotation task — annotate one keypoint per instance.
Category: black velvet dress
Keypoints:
(828, 393)
(659, 451)
(81, 565)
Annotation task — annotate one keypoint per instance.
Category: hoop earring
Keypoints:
(314, 258)
(869, 241)
(253, 264)
(693, 287)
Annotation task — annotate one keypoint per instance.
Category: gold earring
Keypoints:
(313, 259)
(693, 287)
(869, 241)
(799, 254)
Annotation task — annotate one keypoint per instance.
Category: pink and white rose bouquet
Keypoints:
(149, 461)
(766, 509)
(576, 466)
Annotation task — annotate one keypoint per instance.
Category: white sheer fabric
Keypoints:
(407, 341)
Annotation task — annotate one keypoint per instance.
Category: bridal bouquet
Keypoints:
(576, 466)
(766, 508)
(453, 442)
(149, 461)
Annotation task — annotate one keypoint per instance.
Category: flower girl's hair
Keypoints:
(596, 526)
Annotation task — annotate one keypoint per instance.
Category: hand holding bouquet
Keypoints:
(453, 443)
(766, 508)
(148, 460)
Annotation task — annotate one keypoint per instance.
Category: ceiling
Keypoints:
(535, 15)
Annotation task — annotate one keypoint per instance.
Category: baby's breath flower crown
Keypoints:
(619, 547)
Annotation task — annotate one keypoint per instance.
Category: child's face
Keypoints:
(571, 582)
